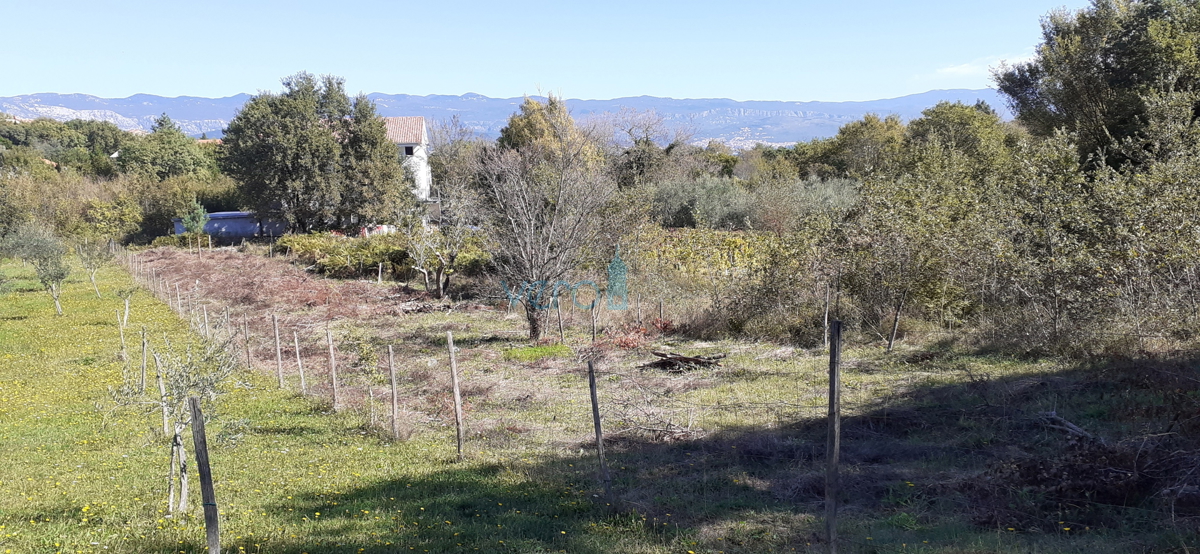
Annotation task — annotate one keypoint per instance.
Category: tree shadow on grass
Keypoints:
(913, 465)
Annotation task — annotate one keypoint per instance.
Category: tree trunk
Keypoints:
(437, 277)
(534, 317)
(183, 474)
(425, 275)
(57, 305)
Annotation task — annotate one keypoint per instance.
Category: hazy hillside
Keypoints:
(737, 123)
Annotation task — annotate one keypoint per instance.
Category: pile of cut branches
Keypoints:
(677, 363)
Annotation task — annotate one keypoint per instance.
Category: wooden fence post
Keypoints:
(458, 413)
(162, 395)
(145, 349)
(395, 396)
(605, 477)
(204, 308)
(121, 328)
(833, 441)
(299, 363)
(278, 350)
(246, 340)
(208, 496)
(380, 278)
(332, 367)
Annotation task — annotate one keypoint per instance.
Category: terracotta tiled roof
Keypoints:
(405, 130)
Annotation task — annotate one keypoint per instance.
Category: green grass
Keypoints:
(530, 354)
(719, 460)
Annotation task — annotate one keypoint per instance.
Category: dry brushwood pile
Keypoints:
(674, 363)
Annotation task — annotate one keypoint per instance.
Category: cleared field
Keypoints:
(725, 459)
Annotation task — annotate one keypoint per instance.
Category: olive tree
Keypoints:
(41, 248)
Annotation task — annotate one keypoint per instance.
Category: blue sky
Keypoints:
(778, 50)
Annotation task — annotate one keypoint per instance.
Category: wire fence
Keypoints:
(651, 405)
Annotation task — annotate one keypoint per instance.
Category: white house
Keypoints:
(412, 138)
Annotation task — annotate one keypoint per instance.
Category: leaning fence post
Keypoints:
(458, 413)
(332, 367)
(605, 478)
(246, 340)
(207, 495)
(299, 363)
(833, 442)
(395, 398)
(121, 328)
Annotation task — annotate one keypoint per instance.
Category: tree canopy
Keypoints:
(314, 157)
(1096, 67)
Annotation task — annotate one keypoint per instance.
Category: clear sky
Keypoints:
(749, 50)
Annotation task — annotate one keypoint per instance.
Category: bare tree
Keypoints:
(548, 200)
(454, 161)
(92, 256)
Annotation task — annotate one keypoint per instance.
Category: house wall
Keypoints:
(419, 163)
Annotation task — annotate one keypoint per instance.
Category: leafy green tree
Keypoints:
(869, 146)
(705, 202)
(1095, 66)
(12, 213)
(112, 220)
(24, 160)
(195, 219)
(976, 131)
(314, 157)
(166, 152)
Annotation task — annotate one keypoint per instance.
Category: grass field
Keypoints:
(715, 460)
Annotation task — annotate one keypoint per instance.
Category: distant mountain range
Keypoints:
(739, 124)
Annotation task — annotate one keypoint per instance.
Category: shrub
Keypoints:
(346, 256)
(707, 202)
(186, 240)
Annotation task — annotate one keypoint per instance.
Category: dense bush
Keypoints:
(344, 256)
(707, 202)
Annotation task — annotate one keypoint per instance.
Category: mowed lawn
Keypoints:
(736, 469)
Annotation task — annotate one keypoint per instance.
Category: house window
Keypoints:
(408, 150)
